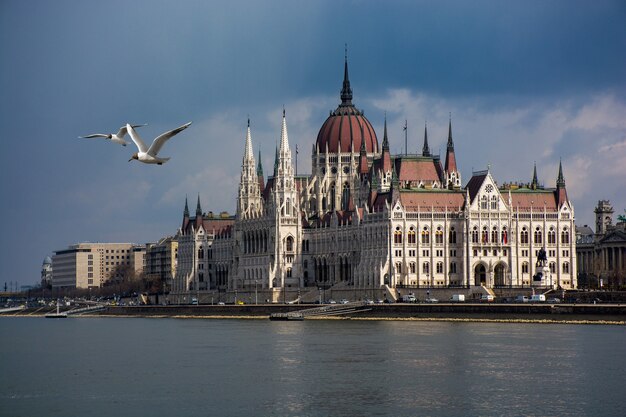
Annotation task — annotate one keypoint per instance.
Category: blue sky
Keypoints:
(525, 81)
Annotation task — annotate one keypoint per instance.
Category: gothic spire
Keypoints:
(276, 162)
(198, 208)
(535, 182)
(259, 170)
(346, 91)
(450, 142)
(385, 140)
(560, 181)
(186, 212)
(284, 139)
(425, 148)
(248, 155)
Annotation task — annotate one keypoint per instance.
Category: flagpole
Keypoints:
(406, 146)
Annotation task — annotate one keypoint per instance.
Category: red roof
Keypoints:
(537, 200)
(347, 126)
(432, 200)
(418, 169)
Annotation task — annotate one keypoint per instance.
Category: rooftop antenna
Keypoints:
(406, 146)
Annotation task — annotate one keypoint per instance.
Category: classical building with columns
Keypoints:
(365, 218)
(602, 255)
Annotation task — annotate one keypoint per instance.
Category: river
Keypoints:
(198, 367)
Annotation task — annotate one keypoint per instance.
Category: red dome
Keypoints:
(346, 126)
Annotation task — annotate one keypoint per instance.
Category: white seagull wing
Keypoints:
(135, 137)
(95, 135)
(160, 141)
(123, 131)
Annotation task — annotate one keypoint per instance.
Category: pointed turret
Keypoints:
(346, 91)
(198, 208)
(453, 176)
(425, 148)
(561, 192)
(198, 214)
(386, 156)
(363, 168)
(186, 212)
(248, 153)
(185, 217)
(259, 174)
(535, 183)
(276, 162)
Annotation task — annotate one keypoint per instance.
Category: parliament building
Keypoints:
(366, 219)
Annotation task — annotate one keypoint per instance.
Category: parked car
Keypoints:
(408, 298)
(432, 300)
(343, 301)
(521, 299)
(487, 298)
(553, 300)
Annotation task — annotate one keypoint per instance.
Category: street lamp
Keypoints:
(256, 298)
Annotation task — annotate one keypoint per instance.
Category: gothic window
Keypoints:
(485, 235)
(288, 272)
(452, 236)
(483, 202)
(425, 236)
(538, 236)
(289, 244)
(440, 267)
(201, 253)
(345, 196)
(505, 236)
(524, 236)
(412, 235)
(553, 267)
(475, 234)
(399, 267)
(565, 236)
(494, 202)
(453, 267)
(412, 267)
(397, 236)
(439, 236)
(566, 267)
(425, 268)
(332, 196)
(525, 268)
(551, 236)
(494, 235)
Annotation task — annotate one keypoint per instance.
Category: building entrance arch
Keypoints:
(480, 275)
(500, 275)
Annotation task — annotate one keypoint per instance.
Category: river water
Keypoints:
(198, 367)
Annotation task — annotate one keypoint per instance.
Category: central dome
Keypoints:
(346, 128)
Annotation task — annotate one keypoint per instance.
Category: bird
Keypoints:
(149, 155)
(117, 137)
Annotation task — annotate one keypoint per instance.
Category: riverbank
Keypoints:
(459, 312)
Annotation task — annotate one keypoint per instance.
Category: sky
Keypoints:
(524, 82)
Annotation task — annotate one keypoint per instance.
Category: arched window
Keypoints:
(553, 267)
(551, 236)
(525, 268)
(412, 267)
(566, 267)
(538, 236)
(288, 272)
(483, 202)
(452, 236)
(524, 236)
(494, 202)
(345, 196)
(475, 234)
(397, 236)
(399, 267)
(485, 235)
(289, 244)
(200, 253)
(494, 235)
(453, 267)
(425, 236)
(565, 236)
(332, 196)
(439, 236)
(411, 235)
(505, 236)
(425, 268)
(439, 267)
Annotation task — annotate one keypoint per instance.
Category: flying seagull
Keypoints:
(149, 155)
(117, 137)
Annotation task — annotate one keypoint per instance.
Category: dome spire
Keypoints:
(450, 142)
(535, 182)
(385, 140)
(346, 91)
